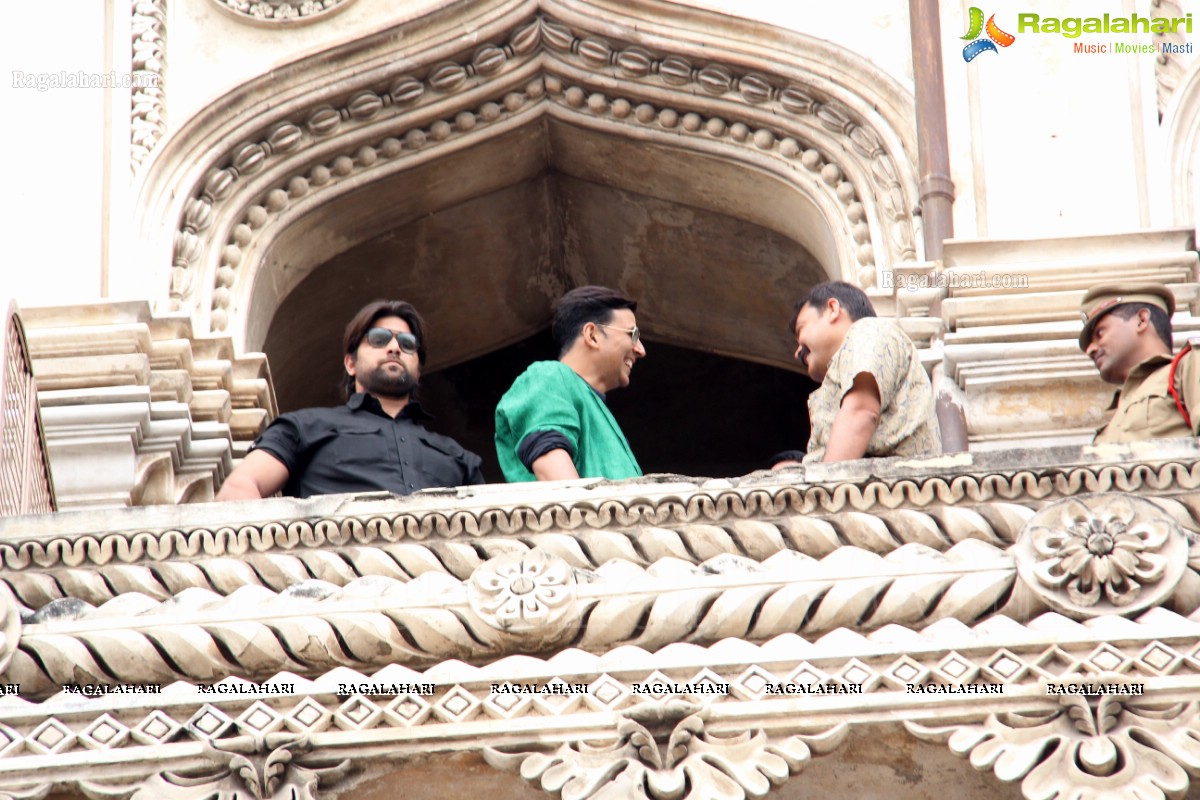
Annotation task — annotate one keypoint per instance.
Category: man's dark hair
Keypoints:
(363, 321)
(1159, 319)
(580, 306)
(852, 298)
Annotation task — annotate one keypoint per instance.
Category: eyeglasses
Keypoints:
(382, 337)
(633, 332)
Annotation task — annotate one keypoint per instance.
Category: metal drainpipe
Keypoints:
(936, 188)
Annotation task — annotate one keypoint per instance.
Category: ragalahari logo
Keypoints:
(995, 36)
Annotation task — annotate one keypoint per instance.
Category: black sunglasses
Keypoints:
(381, 337)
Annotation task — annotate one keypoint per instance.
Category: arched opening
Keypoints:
(718, 392)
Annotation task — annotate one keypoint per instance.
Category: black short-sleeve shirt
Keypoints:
(357, 447)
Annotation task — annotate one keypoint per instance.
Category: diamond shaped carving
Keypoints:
(806, 674)
(707, 678)
(209, 723)
(752, 684)
(408, 710)
(10, 740)
(260, 719)
(504, 705)
(557, 703)
(856, 671)
(308, 717)
(458, 705)
(606, 693)
(1107, 658)
(1159, 659)
(357, 714)
(956, 669)
(659, 692)
(1055, 662)
(50, 737)
(906, 670)
(103, 733)
(157, 728)
(1005, 667)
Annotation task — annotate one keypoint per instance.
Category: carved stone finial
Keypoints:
(524, 592)
(1101, 554)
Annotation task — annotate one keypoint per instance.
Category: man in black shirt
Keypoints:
(374, 442)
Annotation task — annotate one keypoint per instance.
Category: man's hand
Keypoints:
(259, 475)
(856, 420)
(555, 466)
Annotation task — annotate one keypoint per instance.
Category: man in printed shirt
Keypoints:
(1127, 334)
(875, 399)
(553, 423)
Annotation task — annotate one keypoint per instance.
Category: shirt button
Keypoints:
(402, 438)
(406, 462)
(412, 486)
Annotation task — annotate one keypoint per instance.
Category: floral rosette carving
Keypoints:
(1102, 554)
(524, 593)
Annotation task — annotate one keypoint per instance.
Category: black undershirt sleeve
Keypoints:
(537, 444)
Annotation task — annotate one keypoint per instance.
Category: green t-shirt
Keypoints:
(550, 396)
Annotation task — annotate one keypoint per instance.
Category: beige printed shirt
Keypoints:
(907, 424)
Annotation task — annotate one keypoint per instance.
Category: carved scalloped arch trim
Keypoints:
(832, 133)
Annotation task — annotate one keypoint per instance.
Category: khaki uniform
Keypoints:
(907, 422)
(1145, 409)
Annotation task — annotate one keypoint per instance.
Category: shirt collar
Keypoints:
(366, 402)
(1142, 370)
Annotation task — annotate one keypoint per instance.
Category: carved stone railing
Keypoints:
(619, 639)
(26, 486)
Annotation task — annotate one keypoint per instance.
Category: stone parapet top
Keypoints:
(591, 494)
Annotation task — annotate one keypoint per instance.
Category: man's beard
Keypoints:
(380, 381)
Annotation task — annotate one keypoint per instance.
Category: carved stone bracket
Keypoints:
(1102, 554)
(10, 627)
(1103, 746)
(276, 765)
(694, 764)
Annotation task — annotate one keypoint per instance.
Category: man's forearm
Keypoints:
(851, 434)
(238, 488)
(554, 466)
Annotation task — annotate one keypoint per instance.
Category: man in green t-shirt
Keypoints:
(553, 424)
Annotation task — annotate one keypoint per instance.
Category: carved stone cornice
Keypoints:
(97, 556)
(758, 695)
(525, 602)
(139, 409)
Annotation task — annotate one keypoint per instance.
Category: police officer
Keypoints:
(1127, 334)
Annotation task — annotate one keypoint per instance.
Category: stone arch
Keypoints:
(832, 131)
(1182, 126)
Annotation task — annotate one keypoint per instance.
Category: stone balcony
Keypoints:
(816, 630)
